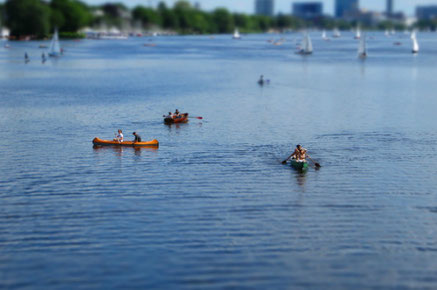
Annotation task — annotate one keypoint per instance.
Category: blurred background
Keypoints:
(37, 19)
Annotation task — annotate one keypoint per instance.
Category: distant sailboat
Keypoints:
(55, 47)
(307, 45)
(415, 43)
(236, 34)
(336, 33)
(324, 37)
(358, 33)
(362, 48)
(387, 33)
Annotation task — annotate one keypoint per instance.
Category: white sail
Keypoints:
(55, 47)
(336, 33)
(324, 34)
(358, 33)
(362, 48)
(236, 34)
(415, 43)
(308, 44)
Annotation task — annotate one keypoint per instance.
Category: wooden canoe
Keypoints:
(299, 165)
(183, 118)
(100, 142)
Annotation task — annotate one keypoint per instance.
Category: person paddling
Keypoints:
(261, 80)
(137, 137)
(299, 155)
(119, 136)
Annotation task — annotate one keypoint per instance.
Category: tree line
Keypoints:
(38, 18)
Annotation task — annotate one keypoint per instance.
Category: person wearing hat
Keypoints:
(137, 137)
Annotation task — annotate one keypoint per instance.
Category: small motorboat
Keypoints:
(100, 142)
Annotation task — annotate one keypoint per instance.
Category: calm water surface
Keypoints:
(213, 207)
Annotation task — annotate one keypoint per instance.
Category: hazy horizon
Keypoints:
(283, 6)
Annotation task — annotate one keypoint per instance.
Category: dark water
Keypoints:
(213, 207)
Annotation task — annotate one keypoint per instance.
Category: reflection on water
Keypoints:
(213, 208)
(119, 150)
(300, 176)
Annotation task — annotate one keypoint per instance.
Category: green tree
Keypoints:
(27, 17)
(147, 16)
(261, 23)
(184, 13)
(223, 20)
(242, 21)
(69, 15)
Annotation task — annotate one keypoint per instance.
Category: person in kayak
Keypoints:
(119, 136)
(137, 137)
(261, 80)
(299, 153)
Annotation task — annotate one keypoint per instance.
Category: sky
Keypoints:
(284, 6)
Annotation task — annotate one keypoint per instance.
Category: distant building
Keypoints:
(345, 7)
(426, 12)
(370, 18)
(307, 10)
(264, 7)
(389, 8)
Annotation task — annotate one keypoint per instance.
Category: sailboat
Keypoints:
(324, 37)
(358, 33)
(362, 48)
(236, 34)
(415, 43)
(336, 33)
(55, 47)
(307, 45)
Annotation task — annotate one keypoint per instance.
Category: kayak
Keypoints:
(100, 142)
(299, 165)
(183, 118)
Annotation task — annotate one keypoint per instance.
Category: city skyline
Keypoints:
(283, 6)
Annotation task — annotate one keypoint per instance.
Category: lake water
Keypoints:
(213, 207)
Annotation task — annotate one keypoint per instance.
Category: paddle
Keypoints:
(285, 161)
(200, 118)
(315, 163)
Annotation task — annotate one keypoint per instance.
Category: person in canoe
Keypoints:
(119, 136)
(299, 155)
(137, 137)
(176, 114)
